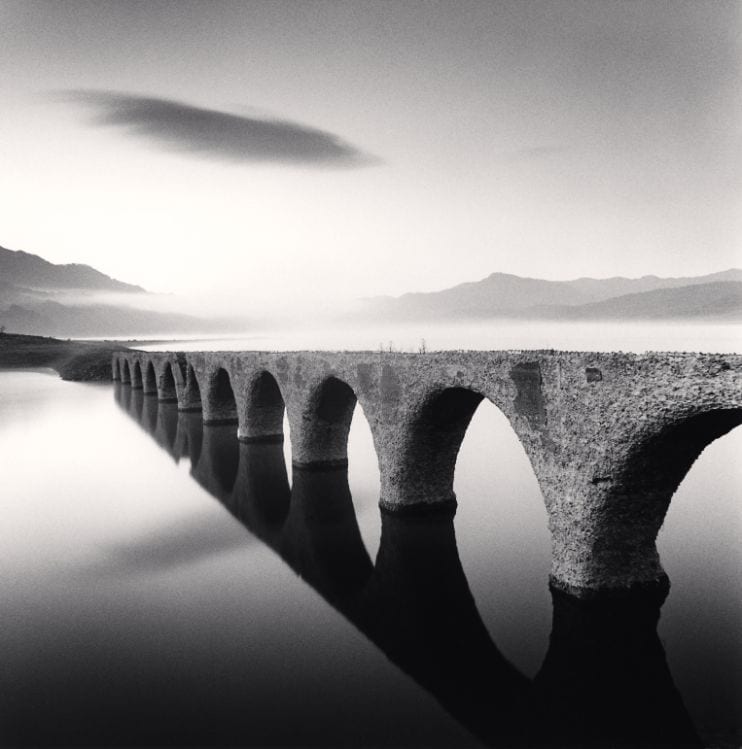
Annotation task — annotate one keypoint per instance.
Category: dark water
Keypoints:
(164, 584)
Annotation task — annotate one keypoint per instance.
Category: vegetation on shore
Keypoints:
(74, 360)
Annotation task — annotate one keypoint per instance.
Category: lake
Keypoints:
(165, 585)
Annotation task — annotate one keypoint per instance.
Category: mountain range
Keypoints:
(41, 298)
(28, 272)
(717, 296)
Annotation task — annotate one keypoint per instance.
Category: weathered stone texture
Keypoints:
(609, 435)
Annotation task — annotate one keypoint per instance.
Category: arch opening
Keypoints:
(660, 463)
(433, 443)
(643, 483)
(502, 534)
(136, 375)
(168, 392)
(336, 403)
(222, 405)
(364, 481)
(699, 548)
(149, 382)
(192, 394)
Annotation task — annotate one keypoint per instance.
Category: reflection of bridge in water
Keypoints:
(609, 436)
(604, 681)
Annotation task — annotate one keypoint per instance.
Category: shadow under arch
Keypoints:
(137, 382)
(220, 399)
(416, 606)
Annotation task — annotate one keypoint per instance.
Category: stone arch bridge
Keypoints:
(610, 436)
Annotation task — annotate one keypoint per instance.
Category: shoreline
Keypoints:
(75, 360)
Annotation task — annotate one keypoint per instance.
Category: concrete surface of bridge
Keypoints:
(610, 436)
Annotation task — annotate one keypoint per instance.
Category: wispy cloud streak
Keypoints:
(213, 134)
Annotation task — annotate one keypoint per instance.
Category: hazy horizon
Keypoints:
(327, 152)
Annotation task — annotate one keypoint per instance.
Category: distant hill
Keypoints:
(506, 295)
(719, 300)
(41, 298)
(22, 269)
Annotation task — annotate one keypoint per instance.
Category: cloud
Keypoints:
(212, 134)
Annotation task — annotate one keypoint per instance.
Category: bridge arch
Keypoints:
(264, 410)
(221, 405)
(639, 493)
(149, 379)
(191, 397)
(137, 382)
(426, 459)
(125, 371)
(167, 390)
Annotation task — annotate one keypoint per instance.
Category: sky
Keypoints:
(282, 151)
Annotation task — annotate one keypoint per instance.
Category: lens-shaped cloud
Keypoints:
(213, 134)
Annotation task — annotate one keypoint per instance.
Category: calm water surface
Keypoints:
(161, 584)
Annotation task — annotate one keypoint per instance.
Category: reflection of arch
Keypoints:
(262, 494)
(604, 681)
(115, 370)
(149, 381)
(149, 414)
(136, 375)
(125, 372)
(192, 394)
(218, 461)
(168, 391)
(190, 435)
(264, 410)
(222, 405)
